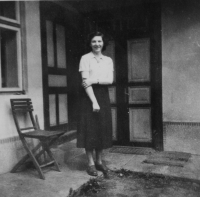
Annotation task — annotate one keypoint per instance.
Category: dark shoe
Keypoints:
(91, 170)
(101, 167)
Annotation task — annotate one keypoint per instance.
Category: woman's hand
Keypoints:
(95, 107)
(87, 82)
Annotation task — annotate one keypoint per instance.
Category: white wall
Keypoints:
(11, 149)
(181, 60)
(181, 71)
(34, 58)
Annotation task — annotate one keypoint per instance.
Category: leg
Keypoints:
(89, 154)
(91, 170)
(99, 156)
(99, 165)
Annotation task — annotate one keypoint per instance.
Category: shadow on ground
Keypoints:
(125, 183)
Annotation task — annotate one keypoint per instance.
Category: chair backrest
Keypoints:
(23, 106)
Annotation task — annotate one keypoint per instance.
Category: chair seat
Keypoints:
(42, 134)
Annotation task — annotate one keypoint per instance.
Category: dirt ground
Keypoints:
(124, 183)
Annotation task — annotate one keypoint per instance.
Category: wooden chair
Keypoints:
(46, 138)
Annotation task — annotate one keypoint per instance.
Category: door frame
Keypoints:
(155, 9)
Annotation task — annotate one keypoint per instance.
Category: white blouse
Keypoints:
(97, 68)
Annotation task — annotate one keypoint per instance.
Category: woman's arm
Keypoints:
(89, 91)
(103, 81)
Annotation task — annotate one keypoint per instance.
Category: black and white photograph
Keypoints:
(100, 98)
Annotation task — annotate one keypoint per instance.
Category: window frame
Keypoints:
(17, 21)
(14, 25)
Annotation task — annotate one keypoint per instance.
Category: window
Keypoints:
(10, 47)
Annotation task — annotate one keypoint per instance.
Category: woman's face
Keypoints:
(97, 44)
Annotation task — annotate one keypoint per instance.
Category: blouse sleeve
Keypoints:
(83, 65)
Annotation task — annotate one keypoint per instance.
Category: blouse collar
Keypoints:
(93, 56)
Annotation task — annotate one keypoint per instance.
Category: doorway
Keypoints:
(134, 32)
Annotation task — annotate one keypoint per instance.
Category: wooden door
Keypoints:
(60, 64)
(136, 94)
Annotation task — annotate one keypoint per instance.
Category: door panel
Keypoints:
(63, 108)
(50, 45)
(110, 52)
(60, 46)
(114, 123)
(57, 80)
(139, 95)
(52, 109)
(139, 60)
(112, 94)
(140, 125)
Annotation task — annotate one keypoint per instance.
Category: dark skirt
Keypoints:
(95, 128)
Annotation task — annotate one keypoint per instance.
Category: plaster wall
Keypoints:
(34, 59)
(181, 60)
(181, 70)
(11, 149)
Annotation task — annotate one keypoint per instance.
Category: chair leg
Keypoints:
(32, 157)
(47, 149)
(26, 157)
(52, 157)
(49, 145)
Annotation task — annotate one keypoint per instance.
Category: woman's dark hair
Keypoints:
(97, 33)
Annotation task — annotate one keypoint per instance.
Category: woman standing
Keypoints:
(95, 123)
